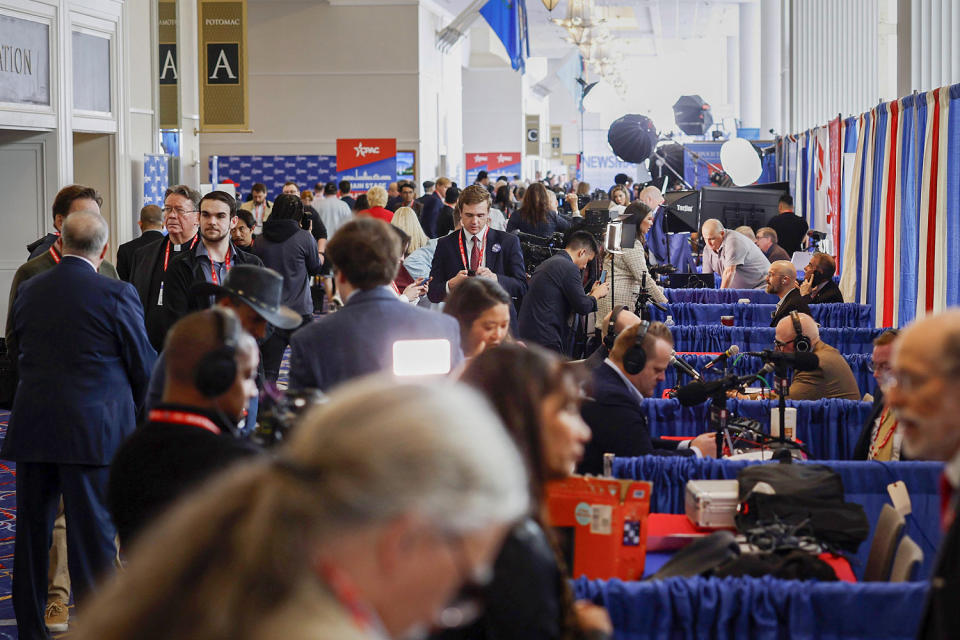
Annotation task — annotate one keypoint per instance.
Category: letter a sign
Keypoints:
(224, 102)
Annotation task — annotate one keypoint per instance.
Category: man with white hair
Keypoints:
(80, 337)
(739, 262)
(832, 378)
(922, 388)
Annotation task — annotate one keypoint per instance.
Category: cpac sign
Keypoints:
(362, 150)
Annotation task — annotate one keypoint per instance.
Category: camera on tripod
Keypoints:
(537, 249)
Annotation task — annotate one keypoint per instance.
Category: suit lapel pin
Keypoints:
(495, 248)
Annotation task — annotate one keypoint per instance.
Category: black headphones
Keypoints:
(611, 336)
(635, 359)
(217, 369)
(801, 344)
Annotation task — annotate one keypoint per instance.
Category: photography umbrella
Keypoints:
(632, 137)
(692, 115)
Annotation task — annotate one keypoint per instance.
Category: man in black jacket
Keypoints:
(881, 438)
(210, 372)
(209, 261)
(151, 230)
(556, 293)
(791, 229)
(923, 390)
(818, 286)
(782, 282)
(614, 412)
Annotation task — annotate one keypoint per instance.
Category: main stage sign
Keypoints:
(495, 163)
(367, 162)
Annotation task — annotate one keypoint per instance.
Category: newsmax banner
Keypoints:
(367, 162)
(494, 163)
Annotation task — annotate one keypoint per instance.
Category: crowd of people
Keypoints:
(394, 507)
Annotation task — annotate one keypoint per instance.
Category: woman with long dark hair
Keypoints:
(537, 396)
(482, 308)
(630, 267)
(534, 215)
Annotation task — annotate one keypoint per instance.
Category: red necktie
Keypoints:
(475, 255)
(946, 503)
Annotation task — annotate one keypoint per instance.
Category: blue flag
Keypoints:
(508, 19)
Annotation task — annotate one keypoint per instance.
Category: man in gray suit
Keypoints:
(358, 339)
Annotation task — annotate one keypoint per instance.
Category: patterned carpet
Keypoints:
(8, 518)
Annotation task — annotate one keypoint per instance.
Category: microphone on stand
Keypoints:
(729, 353)
(684, 366)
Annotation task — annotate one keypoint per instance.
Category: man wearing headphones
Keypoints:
(637, 362)
(832, 379)
(210, 378)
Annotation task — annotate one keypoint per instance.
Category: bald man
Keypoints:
(831, 379)
(651, 197)
(923, 390)
(739, 262)
(192, 433)
(782, 282)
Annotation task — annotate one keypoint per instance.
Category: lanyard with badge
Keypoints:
(166, 261)
(184, 418)
(226, 267)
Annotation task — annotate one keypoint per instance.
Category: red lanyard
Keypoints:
(55, 255)
(463, 253)
(166, 255)
(347, 595)
(182, 417)
(226, 266)
(874, 447)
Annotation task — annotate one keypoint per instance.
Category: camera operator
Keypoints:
(556, 292)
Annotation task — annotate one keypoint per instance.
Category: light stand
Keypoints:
(782, 389)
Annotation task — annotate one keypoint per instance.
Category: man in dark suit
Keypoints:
(151, 230)
(922, 389)
(150, 264)
(82, 336)
(791, 229)
(556, 293)
(447, 219)
(880, 439)
(193, 432)
(430, 213)
(477, 250)
(75, 197)
(782, 282)
(209, 261)
(358, 339)
(614, 411)
(818, 286)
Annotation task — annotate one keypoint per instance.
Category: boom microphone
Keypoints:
(684, 366)
(800, 361)
(729, 353)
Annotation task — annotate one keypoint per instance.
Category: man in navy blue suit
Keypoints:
(84, 361)
(620, 385)
(478, 251)
(358, 339)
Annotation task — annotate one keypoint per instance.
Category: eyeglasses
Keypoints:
(904, 380)
(873, 367)
(178, 211)
(780, 345)
(468, 604)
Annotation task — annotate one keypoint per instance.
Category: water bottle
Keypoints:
(669, 321)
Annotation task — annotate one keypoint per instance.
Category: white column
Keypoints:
(770, 68)
(188, 40)
(750, 53)
(733, 74)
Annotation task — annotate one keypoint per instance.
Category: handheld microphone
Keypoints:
(684, 366)
(800, 361)
(729, 353)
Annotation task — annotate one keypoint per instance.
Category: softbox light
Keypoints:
(692, 115)
(632, 138)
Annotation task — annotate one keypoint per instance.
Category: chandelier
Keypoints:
(581, 22)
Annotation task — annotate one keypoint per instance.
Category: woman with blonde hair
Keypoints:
(405, 219)
(380, 506)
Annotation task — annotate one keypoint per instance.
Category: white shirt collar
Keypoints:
(626, 380)
(952, 471)
(88, 261)
(470, 236)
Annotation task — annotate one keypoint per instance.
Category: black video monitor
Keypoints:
(736, 206)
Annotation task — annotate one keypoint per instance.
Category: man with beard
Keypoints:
(782, 282)
(209, 261)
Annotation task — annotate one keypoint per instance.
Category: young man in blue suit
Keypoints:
(478, 251)
(84, 362)
(358, 339)
(620, 384)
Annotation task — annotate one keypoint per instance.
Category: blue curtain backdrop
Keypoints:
(953, 199)
(757, 608)
(716, 338)
(840, 315)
